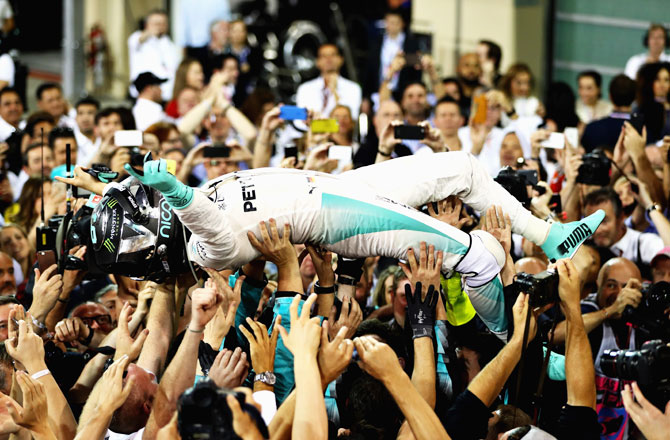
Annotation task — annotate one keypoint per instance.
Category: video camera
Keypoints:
(204, 413)
(542, 288)
(650, 317)
(649, 367)
(515, 182)
(595, 168)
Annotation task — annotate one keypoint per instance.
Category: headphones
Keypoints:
(645, 39)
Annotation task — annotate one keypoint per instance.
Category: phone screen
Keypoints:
(416, 132)
(291, 113)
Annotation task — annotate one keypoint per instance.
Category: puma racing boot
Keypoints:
(564, 239)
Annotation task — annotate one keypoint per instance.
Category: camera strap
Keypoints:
(537, 398)
(519, 374)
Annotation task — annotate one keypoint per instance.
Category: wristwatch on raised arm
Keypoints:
(654, 207)
(266, 377)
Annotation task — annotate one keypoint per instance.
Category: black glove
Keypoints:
(421, 314)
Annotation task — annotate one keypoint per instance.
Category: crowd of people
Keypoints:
(300, 342)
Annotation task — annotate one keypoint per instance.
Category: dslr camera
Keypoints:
(649, 367)
(649, 317)
(595, 168)
(204, 413)
(515, 182)
(542, 288)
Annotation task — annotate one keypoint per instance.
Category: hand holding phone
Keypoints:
(414, 132)
(292, 113)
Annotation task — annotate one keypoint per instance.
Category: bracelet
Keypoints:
(380, 152)
(606, 314)
(349, 281)
(195, 331)
(319, 290)
(40, 373)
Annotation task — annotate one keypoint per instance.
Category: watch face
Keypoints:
(266, 377)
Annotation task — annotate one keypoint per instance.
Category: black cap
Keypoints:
(145, 79)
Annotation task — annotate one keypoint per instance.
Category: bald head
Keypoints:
(530, 265)
(388, 111)
(469, 68)
(613, 277)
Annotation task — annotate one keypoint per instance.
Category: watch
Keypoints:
(266, 377)
(654, 207)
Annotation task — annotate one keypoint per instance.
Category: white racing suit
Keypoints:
(347, 215)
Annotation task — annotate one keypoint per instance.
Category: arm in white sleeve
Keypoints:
(268, 404)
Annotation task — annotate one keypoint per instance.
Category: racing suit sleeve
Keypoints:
(489, 302)
(213, 240)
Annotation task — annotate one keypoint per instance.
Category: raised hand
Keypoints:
(126, 345)
(230, 295)
(305, 333)
(350, 318)
(262, 346)
(45, 292)
(421, 313)
(323, 264)
(33, 415)
(113, 393)
(230, 368)
(243, 425)
(81, 179)
(499, 225)
(653, 423)
(27, 348)
(204, 304)
(334, 356)
(377, 358)
(449, 212)
(278, 250)
(427, 269)
(72, 330)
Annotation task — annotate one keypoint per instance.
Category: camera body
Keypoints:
(542, 288)
(650, 315)
(204, 412)
(649, 367)
(595, 168)
(516, 183)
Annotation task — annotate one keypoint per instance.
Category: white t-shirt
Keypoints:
(7, 69)
(315, 96)
(490, 154)
(159, 56)
(636, 61)
(147, 112)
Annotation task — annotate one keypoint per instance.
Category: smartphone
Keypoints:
(529, 175)
(324, 126)
(417, 132)
(556, 141)
(637, 121)
(291, 151)
(291, 113)
(479, 110)
(340, 152)
(571, 136)
(128, 138)
(216, 151)
(46, 259)
(412, 59)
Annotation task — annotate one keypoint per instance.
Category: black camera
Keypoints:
(541, 288)
(595, 168)
(516, 182)
(649, 367)
(204, 413)
(650, 317)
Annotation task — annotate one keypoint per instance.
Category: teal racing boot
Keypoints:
(565, 238)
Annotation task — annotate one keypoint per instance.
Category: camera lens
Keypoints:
(608, 362)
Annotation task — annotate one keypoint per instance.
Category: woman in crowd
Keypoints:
(189, 74)
(591, 106)
(517, 85)
(653, 91)
(14, 242)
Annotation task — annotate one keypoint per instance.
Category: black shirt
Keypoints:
(604, 132)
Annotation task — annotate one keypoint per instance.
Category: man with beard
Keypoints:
(468, 71)
(614, 237)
